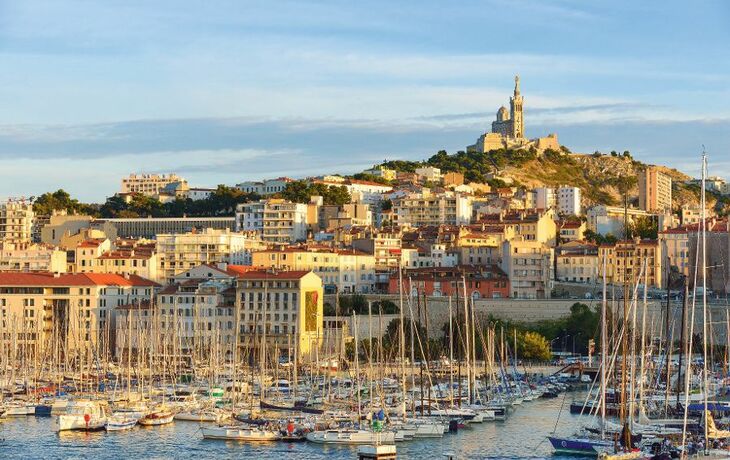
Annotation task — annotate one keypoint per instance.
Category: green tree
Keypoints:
(533, 346)
(60, 200)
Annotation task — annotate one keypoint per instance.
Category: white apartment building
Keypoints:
(16, 222)
(426, 208)
(274, 220)
(529, 265)
(182, 251)
(150, 184)
(266, 187)
(568, 200)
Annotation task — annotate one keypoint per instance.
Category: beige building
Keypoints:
(577, 267)
(529, 265)
(655, 190)
(625, 259)
(385, 248)
(76, 312)
(16, 222)
(182, 251)
(135, 259)
(33, 258)
(675, 249)
(284, 308)
(346, 271)
(149, 184)
(427, 208)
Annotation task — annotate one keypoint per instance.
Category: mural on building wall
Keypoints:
(310, 310)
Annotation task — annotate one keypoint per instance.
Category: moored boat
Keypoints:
(240, 433)
(156, 418)
(83, 415)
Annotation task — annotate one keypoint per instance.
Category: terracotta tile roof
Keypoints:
(268, 275)
(91, 243)
(71, 279)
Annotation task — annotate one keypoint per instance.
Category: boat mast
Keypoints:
(703, 224)
(604, 348)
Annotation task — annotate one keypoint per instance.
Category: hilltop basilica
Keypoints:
(508, 130)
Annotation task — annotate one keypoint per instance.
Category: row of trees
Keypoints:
(222, 202)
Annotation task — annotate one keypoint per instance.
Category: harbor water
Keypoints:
(522, 435)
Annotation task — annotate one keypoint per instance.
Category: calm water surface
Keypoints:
(523, 435)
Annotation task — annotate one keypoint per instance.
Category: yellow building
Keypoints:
(347, 271)
(284, 308)
(655, 190)
(625, 259)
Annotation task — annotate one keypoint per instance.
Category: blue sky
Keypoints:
(226, 91)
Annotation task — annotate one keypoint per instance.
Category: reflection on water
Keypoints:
(523, 435)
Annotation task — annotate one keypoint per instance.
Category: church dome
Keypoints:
(502, 114)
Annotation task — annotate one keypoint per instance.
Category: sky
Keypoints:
(228, 91)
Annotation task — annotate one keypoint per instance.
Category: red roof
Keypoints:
(269, 275)
(237, 270)
(71, 279)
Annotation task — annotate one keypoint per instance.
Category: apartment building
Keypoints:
(284, 309)
(429, 255)
(149, 184)
(16, 222)
(426, 208)
(577, 262)
(180, 252)
(655, 190)
(73, 311)
(33, 258)
(675, 248)
(130, 258)
(482, 282)
(340, 270)
(568, 201)
(385, 247)
(274, 220)
(625, 260)
(529, 266)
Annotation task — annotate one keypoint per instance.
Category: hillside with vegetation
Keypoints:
(601, 177)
